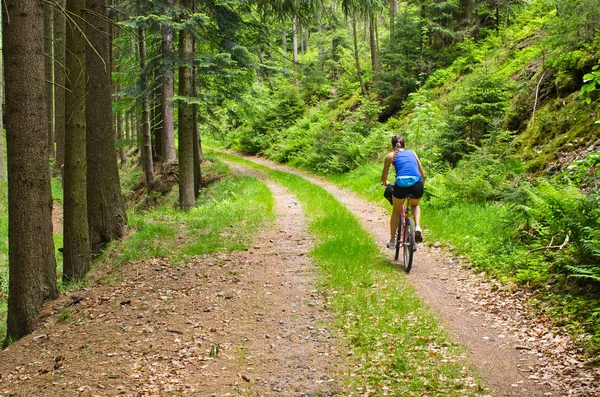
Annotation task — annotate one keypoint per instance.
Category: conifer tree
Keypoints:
(105, 209)
(76, 251)
(31, 247)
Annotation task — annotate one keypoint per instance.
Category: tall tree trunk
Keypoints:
(497, 5)
(120, 114)
(306, 38)
(301, 41)
(105, 205)
(128, 126)
(295, 40)
(156, 125)
(320, 43)
(59, 79)
(168, 127)
(76, 251)
(48, 66)
(197, 147)
(373, 43)
(284, 40)
(363, 88)
(2, 157)
(392, 20)
(186, 119)
(146, 137)
(31, 247)
(120, 136)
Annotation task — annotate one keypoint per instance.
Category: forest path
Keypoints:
(517, 352)
(246, 323)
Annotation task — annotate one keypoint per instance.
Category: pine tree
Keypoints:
(31, 247)
(105, 206)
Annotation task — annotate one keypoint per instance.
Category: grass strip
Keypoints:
(226, 216)
(397, 346)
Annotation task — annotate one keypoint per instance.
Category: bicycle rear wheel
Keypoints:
(398, 239)
(408, 245)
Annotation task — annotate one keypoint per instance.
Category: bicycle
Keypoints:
(405, 237)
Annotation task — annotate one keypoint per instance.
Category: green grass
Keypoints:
(477, 231)
(226, 216)
(396, 343)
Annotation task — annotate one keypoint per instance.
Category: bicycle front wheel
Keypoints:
(408, 245)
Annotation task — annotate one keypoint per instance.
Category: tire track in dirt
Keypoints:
(247, 323)
(515, 351)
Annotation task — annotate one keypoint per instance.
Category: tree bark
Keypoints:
(76, 251)
(186, 119)
(146, 138)
(320, 43)
(295, 40)
(48, 66)
(121, 136)
(156, 118)
(105, 206)
(363, 88)
(59, 79)
(392, 20)
(2, 156)
(306, 38)
(128, 125)
(31, 248)
(197, 147)
(301, 35)
(373, 43)
(284, 40)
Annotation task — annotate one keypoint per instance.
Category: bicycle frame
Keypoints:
(405, 236)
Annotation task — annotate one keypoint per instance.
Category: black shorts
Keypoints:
(414, 191)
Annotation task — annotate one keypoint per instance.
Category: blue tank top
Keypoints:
(405, 164)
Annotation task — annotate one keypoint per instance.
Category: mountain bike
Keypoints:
(405, 238)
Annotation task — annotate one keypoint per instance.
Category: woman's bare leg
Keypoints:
(416, 210)
(396, 211)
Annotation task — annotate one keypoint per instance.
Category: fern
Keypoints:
(591, 272)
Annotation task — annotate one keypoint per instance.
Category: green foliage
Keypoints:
(546, 214)
(591, 80)
(64, 315)
(587, 170)
(225, 218)
(266, 115)
(426, 123)
(477, 108)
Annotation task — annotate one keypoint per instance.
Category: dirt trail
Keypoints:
(518, 354)
(250, 324)
(243, 324)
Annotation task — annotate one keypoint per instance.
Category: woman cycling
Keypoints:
(409, 181)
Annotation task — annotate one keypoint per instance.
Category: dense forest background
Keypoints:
(498, 98)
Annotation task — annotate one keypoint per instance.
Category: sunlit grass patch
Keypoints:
(226, 217)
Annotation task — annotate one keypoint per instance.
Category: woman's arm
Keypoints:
(386, 169)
